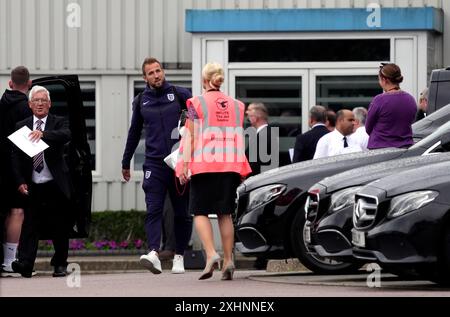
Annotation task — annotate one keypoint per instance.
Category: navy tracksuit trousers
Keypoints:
(160, 179)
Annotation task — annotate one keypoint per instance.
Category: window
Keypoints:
(342, 50)
(59, 100)
(338, 92)
(89, 103)
(139, 154)
(283, 98)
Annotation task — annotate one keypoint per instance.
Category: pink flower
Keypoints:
(112, 245)
(124, 244)
(138, 243)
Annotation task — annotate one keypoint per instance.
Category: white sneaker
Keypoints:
(151, 262)
(178, 264)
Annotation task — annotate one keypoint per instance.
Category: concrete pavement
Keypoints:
(102, 264)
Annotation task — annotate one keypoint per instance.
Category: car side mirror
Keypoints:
(445, 142)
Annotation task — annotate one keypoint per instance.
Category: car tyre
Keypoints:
(443, 270)
(311, 260)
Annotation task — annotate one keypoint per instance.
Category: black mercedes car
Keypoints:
(270, 219)
(330, 202)
(402, 221)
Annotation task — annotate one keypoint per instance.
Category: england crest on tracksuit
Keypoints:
(171, 97)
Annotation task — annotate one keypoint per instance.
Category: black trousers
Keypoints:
(47, 217)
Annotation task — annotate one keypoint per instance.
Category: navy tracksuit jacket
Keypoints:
(158, 112)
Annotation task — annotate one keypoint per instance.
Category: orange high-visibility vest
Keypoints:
(219, 136)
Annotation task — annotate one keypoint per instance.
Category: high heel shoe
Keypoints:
(227, 274)
(211, 265)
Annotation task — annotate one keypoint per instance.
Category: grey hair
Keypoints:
(360, 114)
(36, 89)
(261, 109)
(318, 114)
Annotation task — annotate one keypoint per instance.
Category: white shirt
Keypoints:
(261, 127)
(333, 144)
(360, 137)
(44, 176)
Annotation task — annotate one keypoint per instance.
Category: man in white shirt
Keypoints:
(338, 141)
(360, 135)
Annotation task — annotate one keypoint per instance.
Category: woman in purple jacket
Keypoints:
(391, 113)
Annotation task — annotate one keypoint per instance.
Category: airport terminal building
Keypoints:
(289, 54)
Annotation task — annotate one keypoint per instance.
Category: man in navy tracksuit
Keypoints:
(158, 110)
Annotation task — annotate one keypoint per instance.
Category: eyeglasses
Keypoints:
(43, 101)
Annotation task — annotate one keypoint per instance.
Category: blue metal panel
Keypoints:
(313, 20)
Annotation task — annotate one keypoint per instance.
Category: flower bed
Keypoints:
(110, 231)
(78, 244)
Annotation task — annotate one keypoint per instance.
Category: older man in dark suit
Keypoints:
(263, 154)
(305, 144)
(45, 178)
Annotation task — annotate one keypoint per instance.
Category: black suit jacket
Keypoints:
(305, 144)
(270, 148)
(420, 115)
(56, 135)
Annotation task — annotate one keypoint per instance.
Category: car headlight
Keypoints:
(264, 195)
(343, 198)
(405, 203)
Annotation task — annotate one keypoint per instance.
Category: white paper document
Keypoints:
(21, 138)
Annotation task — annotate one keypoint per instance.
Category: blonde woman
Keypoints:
(213, 159)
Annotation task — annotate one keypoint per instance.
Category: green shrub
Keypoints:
(117, 226)
(110, 230)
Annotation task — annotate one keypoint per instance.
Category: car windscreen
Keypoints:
(429, 124)
(433, 138)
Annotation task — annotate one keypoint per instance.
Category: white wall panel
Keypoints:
(116, 35)
(42, 35)
(115, 196)
(114, 96)
(108, 195)
(406, 58)
(16, 25)
(360, 3)
(87, 34)
(100, 196)
(171, 25)
(60, 39)
(72, 45)
(4, 31)
(157, 35)
(100, 34)
(129, 196)
(344, 4)
(142, 26)
(129, 33)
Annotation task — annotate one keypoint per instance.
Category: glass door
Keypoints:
(344, 89)
(283, 92)
(290, 93)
